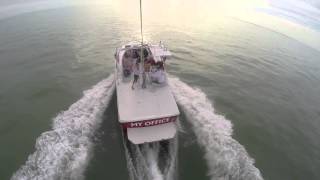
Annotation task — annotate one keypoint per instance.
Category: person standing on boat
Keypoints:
(127, 64)
(136, 73)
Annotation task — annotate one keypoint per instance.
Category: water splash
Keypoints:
(226, 158)
(152, 161)
(64, 152)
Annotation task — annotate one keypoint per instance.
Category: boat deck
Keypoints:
(140, 104)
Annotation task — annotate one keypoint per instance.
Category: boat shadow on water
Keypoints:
(108, 161)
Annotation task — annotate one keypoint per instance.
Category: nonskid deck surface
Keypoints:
(154, 101)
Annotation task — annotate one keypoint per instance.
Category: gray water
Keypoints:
(258, 91)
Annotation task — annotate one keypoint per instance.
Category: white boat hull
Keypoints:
(146, 114)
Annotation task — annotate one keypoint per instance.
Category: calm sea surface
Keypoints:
(265, 83)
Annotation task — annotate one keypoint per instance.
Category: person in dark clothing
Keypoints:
(136, 73)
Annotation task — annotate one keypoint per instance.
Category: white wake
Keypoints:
(64, 152)
(152, 161)
(226, 158)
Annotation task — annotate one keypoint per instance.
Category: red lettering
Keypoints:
(152, 122)
(136, 124)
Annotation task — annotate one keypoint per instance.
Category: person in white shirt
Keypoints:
(157, 75)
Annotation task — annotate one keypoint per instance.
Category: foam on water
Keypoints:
(143, 161)
(226, 158)
(64, 152)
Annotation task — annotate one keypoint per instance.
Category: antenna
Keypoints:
(141, 51)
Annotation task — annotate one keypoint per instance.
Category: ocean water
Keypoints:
(249, 98)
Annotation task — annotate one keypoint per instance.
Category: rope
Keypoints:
(141, 23)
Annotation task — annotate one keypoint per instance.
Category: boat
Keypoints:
(147, 110)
